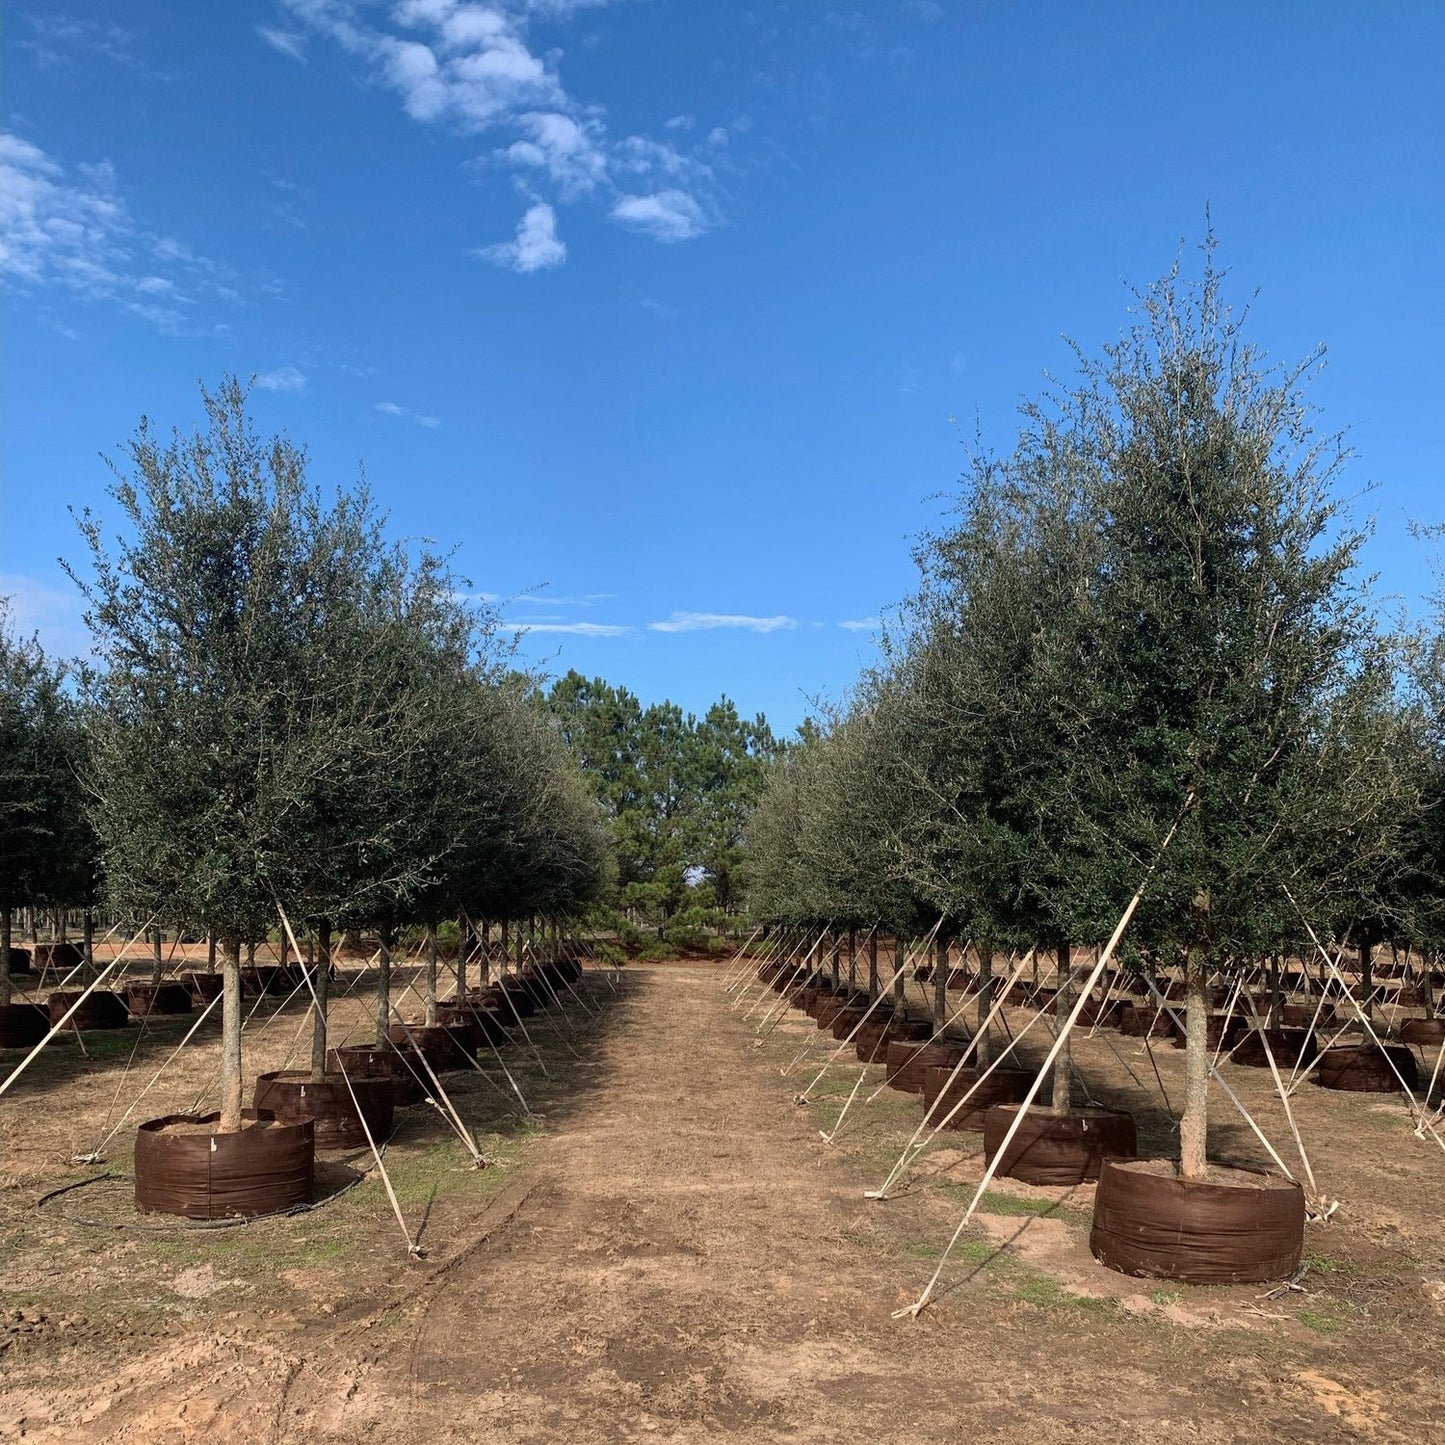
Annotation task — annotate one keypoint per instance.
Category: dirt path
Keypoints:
(680, 1258)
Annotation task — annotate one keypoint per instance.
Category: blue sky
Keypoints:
(672, 315)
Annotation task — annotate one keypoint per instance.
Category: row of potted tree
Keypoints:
(1140, 683)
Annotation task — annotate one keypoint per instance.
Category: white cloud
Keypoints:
(574, 629)
(537, 246)
(284, 378)
(59, 40)
(568, 151)
(586, 599)
(471, 67)
(286, 42)
(708, 621)
(670, 215)
(405, 413)
(861, 624)
(77, 232)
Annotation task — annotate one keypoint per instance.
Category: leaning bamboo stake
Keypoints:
(413, 1249)
(94, 1157)
(913, 1310)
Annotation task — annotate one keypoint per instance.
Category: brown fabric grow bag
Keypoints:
(1289, 1047)
(201, 1174)
(516, 1002)
(63, 956)
(291, 1095)
(1003, 1086)
(444, 1046)
(1134, 1021)
(270, 979)
(204, 988)
(1423, 1032)
(380, 1061)
(1365, 1068)
(101, 1010)
(849, 1018)
(1104, 1015)
(489, 1024)
(19, 960)
(23, 1025)
(1198, 1231)
(871, 1043)
(157, 998)
(1302, 1016)
(1055, 1149)
(1222, 1030)
(906, 1062)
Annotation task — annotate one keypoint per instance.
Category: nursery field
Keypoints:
(672, 1251)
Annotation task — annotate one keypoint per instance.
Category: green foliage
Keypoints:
(675, 788)
(47, 851)
(294, 710)
(1146, 612)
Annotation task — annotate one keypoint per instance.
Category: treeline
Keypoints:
(677, 791)
(1139, 660)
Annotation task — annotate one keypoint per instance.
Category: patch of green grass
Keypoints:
(1319, 1322)
(1014, 1205)
(1163, 1297)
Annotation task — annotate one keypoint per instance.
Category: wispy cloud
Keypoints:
(57, 39)
(861, 624)
(284, 378)
(575, 629)
(471, 67)
(405, 413)
(75, 231)
(537, 246)
(586, 599)
(669, 215)
(707, 621)
(286, 42)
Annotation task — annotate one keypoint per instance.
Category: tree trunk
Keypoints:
(1367, 973)
(984, 1056)
(899, 982)
(211, 953)
(464, 944)
(1063, 1007)
(873, 964)
(157, 963)
(431, 976)
(506, 947)
(383, 986)
(321, 975)
(1194, 1126)
(231, 1037)
(87, 946)
(4, 957)
(940, 982)
(852, 959)
(1275, 998)
(833, 962)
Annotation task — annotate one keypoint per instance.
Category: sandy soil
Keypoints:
(674, 1253)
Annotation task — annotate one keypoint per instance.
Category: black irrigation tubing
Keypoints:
(359, 1177)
